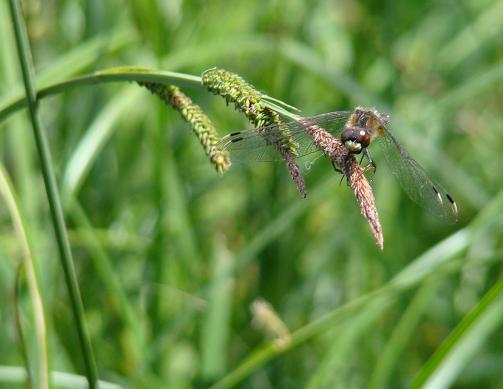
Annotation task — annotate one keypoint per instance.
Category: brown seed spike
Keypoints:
(294, 170)
(345, 162)
(365, 197)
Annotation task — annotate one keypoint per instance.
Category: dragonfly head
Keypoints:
(355, 139)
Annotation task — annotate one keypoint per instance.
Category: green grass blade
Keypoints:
(418, 270)
(344, 338)
(466, 338)
(486, 27)
(448, 361)
(83, 55)
(16, 375)
(75, 60)
(117, 74)
(216, 326)
(433, 258)
(104, 266)
(264, 354)
(388, 360)
(96, 137)
(9, 198)
(305, 57)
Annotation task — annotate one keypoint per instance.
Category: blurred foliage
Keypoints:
(170, 256)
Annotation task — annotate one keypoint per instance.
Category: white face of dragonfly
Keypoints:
(362, 127)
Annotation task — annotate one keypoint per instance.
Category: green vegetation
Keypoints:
(172, 259)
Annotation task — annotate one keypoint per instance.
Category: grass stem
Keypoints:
(52, 193)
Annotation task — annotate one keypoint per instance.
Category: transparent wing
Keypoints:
(415, 181)
(257, 145)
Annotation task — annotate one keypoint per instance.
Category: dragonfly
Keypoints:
(357, 129)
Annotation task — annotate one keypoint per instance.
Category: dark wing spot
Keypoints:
(235, 133)
(439, 196)
(453, 203)
(234, 140)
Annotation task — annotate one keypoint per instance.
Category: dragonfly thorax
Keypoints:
(355, 139)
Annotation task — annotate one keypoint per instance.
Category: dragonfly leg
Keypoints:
(337, 170)
(335, 167)
(371, 165)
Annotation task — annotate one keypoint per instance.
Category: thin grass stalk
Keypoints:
(36, 299)
(19, 328)
(52, 193)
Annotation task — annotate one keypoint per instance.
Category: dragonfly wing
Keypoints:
(258, 145)
(251, 146)
(416, 182)
(246, 146)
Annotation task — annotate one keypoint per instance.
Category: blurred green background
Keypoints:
(170, 256)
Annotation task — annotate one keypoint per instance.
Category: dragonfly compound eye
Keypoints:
(355, 139)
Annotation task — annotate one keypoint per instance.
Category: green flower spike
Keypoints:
(248, 100)
(201, 125)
